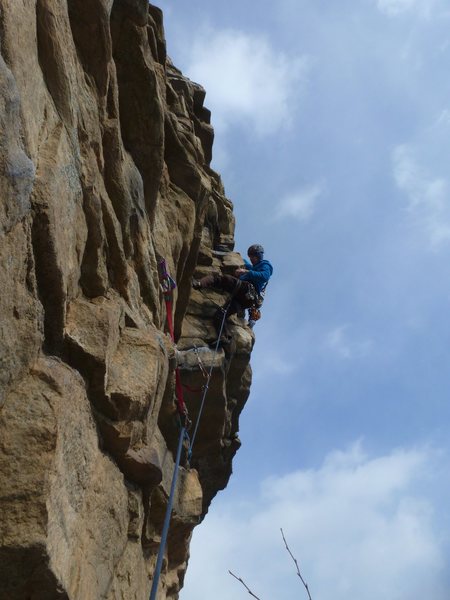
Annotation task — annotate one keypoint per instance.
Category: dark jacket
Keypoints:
(258, 274)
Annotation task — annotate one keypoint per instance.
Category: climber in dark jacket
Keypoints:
(246, 287)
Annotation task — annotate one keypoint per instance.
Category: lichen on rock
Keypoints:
(105, 151)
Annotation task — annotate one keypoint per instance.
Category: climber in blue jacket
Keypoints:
(245, 287)
(258, 271)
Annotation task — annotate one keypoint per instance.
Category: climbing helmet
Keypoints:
(256, 250)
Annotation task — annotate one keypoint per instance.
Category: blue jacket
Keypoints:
(258, 274)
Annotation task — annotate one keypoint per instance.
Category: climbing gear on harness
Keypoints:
(261, 295)
(251, 295)
(254, 314)
(196, 284)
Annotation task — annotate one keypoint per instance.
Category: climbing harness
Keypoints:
(251, 295)
(254, 312)
(260, 295)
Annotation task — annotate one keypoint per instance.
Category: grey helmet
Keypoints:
(256, 250)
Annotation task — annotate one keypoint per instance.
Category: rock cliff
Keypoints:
(104, 154)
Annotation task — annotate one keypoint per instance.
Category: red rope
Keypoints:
(170, 318)
(179, 391)
(178, 386)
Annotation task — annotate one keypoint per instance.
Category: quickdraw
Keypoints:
(200, 363)
(165, 280)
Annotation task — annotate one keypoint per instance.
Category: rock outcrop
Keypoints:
(104, 153)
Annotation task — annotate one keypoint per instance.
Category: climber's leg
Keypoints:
(226, 283)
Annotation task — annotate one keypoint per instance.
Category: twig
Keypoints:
(296, 564)
(245, 585)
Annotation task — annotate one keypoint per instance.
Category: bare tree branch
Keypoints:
(296, 564)
(245, 585)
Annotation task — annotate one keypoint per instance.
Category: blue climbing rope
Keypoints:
(165, 530)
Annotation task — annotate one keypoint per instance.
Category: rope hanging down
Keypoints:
(206, 386)
(165, 531)
(167, 286)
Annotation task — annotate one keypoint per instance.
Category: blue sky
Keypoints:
(332, 128)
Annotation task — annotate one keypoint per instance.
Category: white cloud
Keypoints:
(276, 364)
(393, 8)
(300, 204)
(359, 527)
(339, 341)
(247, 80)
(428, 195)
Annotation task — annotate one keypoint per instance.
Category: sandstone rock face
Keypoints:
(104, 156)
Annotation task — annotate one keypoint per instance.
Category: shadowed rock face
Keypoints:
(104, 154)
